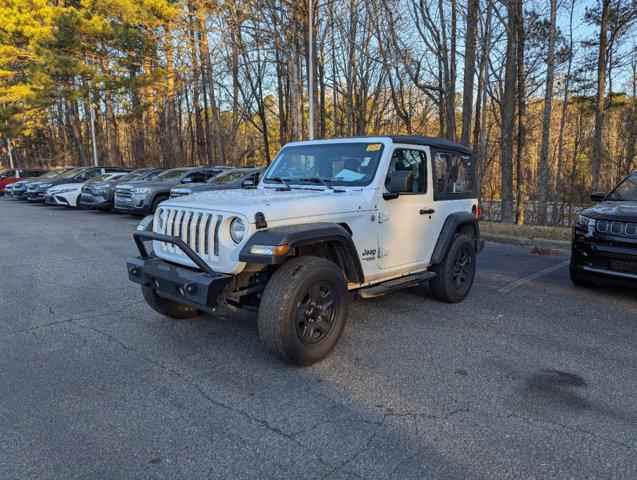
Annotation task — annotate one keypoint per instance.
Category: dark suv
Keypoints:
(605, 237)
(101, 194)
(142, 198)
(36, 191)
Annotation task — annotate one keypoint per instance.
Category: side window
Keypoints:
(414, 161)
(454, 176)
(210, 173)
(197, 177)
(92, 173)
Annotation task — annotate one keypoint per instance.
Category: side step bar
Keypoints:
(395, 284)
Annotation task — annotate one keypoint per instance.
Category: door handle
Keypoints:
(427, 211)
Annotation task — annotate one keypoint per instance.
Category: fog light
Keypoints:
(190, 288)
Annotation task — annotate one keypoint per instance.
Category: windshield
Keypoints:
(347, 164)
(228, 177)
(103, 177)
(625, 191)
(169, 175)
(135, 175)
(70, 173)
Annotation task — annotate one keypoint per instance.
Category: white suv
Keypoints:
(330, 217)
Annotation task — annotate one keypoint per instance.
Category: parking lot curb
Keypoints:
(527, 242)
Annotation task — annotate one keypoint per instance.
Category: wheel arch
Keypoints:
(462, 222)
(327, 240)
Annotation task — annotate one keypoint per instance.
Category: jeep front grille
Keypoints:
(199, 230)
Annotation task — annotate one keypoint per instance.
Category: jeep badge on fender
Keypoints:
(295, 247)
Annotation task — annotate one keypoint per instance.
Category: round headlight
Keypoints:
(237, 229)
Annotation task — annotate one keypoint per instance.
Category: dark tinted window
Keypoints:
(197, 177)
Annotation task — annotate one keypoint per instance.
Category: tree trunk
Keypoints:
(543, 166)
(598, 152)
(557, 191)
(521, 153)
(469, 67)
(508, 117)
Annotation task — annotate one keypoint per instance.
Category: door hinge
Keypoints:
(382, 217)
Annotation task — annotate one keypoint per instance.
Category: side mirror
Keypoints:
(597, 196)
(400, 181)
(187, 180)
(248, 183)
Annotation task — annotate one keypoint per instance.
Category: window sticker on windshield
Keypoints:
(374, 147)
(365, 161)
(348, 175)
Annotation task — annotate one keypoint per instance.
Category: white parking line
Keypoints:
(539, 274)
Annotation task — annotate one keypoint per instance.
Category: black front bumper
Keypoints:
(36, 196)
(197, 288)
(605, 257)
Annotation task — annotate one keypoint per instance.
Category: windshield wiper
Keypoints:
(324, 181)
(282, 181)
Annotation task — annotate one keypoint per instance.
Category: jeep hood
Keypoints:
(275, 204)
(617, 211)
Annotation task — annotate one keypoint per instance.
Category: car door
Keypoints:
(405, 223)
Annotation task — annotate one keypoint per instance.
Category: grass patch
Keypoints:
(527, 231)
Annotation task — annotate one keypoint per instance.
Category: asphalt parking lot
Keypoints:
(530, 377)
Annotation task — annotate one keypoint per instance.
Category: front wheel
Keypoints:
(303, 310)
(168, 308)
(454, 276)
(578, 278)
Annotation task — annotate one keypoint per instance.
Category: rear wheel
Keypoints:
(303, 310)
(168, 308)
(454, 276)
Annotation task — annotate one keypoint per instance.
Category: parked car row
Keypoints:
(138, 192)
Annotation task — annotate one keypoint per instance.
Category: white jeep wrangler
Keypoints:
(329, 218)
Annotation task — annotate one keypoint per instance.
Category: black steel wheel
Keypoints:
(462, 269)
(315, 314)
(303, 310)
(454, 276)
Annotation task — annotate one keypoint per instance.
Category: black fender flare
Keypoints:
(450, 226)
(304, 234)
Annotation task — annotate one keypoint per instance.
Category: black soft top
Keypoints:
(429, 141)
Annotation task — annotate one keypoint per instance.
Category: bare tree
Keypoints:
(543, 166)
(598, 152)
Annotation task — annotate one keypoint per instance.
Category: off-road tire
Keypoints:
(443, 287)
(578, 278)
(284, 296)
(168, 308)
